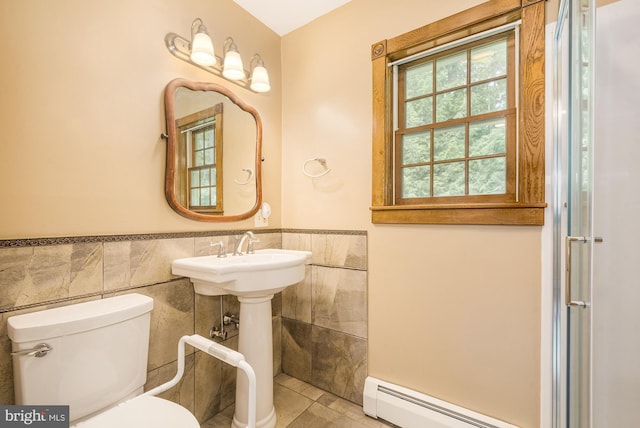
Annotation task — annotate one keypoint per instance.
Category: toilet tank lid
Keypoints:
(76, 318)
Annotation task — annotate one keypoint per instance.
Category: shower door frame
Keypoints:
(573, 54)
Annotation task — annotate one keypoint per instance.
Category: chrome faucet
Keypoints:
(221, 251)
(238, 249)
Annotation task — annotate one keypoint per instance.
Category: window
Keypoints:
(456, 124)
(447, 108)
(200, 144)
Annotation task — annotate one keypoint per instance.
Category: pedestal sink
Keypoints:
(254, 279)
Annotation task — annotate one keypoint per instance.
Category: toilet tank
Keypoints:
(99, 355)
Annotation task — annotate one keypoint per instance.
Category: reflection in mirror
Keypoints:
(199, 180)
(213, 153)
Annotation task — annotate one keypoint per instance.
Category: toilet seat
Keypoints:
(143, 411)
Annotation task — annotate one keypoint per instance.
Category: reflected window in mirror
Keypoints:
(199, 184)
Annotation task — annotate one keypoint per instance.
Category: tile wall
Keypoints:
(319, 325)
(324, 318)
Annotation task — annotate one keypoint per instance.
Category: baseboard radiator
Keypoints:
(408, 409)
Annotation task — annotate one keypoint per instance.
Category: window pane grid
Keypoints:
(203, 150)
(202, 188)
(202, 175)
(467, 99)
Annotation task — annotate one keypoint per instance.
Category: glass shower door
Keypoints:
(574, 207)
(579, 239)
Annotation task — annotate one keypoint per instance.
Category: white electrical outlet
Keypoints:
(260, 220)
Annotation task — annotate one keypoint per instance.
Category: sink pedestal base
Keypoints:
(256, 344)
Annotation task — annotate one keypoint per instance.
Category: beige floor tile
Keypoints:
(319, 416)
(301, 405)
(218, 421)
(299, 386)
(350, 410)
(221, 420)
(289, 405)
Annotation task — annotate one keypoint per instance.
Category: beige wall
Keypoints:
(81, 110)
(81, 88)
(453, 311)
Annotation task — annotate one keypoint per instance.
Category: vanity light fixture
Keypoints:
(259, 75)
(201, 45)
(199, 52)
(232, 69)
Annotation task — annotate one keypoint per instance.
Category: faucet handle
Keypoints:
(222, 252)
(250, 249)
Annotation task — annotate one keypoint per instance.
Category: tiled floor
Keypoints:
(300, 405)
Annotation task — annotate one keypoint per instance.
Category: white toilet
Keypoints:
(97, 364)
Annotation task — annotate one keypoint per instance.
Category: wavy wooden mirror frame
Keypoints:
(170, 172)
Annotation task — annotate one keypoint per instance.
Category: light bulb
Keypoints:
(202, 49)
(260, 79)
(233, 66)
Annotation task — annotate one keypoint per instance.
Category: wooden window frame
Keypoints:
(528, 206)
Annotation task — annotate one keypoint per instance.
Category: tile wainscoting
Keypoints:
(319, 325)
(324, 318)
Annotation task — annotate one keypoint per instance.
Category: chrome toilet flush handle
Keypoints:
(38, 351)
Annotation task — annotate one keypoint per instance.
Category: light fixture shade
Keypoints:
(202, 49)
(260, 79)
(233, 69)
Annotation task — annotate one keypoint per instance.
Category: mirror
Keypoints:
(214, 146)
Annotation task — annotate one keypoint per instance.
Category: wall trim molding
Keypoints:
(325, 231)
(64, 240)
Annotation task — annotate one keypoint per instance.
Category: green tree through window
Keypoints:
(458, 119)
(456, 109)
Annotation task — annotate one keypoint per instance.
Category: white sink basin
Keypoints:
(251, 275)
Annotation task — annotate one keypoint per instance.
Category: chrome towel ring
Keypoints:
(321, 161)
